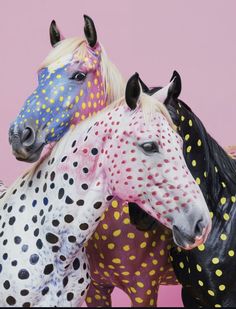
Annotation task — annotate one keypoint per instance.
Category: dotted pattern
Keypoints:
(60, 101)
(205, 272)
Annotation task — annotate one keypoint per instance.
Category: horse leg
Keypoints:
(99, 295)
(144, 295)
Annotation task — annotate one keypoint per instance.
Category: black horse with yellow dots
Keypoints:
(207, 273)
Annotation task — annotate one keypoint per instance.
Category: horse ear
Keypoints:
(132, 91)
(144, 86)
(54, 32)
(90, 31)
(173, 89)
(176, 86)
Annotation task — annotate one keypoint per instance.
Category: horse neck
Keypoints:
(212, 168)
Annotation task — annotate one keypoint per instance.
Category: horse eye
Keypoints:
(79, 76)
(150, 147)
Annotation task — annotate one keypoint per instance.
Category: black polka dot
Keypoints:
(61, 193)
(52, 185)
(39, 244)
(76, 264)
(22, 208)
(80, 202)
(48, 269)
(34, 218)
(38, 174)
(81, 280)
(55, 248)
(12, 220)
(6, 284)
(5, 256)
(65, 176)
(24, 292)
(72, 239)
(62, 257)
(52, 176)
(65, 281)
(70, 296)
(23, 274)
(23, 197)
(34, 259)
(97, 205)
(17, 240)
(11, 300)
(75, 164)
(68, 218)
(45, 187)
(45, 290)
(69, 200)
(71, 181)
(58, 293)
(84, 186)
(36, 232)
(51, 238)
(24, 248)
(83, 226)
(85, 170)
(55, 222)
(14, 263)
(94, 151)
(27, 304)
(110, 197)
(73, 144)
(64, 159)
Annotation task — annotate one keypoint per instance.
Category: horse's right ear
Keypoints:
(176, 86)
(132, 91)
(54, 32)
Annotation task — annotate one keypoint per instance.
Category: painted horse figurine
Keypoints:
(206, 272)
(43, 260)
(34, 128)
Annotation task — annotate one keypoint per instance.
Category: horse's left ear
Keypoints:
(173, 89)
(55, 35)
(90, 31)
(132, 91)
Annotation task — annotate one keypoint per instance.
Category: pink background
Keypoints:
(152, 37)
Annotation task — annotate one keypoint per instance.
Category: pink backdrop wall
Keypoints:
(198, 38)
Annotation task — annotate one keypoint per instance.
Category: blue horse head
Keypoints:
(74, 82)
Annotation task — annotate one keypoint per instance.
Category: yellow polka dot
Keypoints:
(218, 272)
(133, 290)
(116, 215)
(154, 244)
(194, 163)
(152, 272)
(114, 204)
(83, 105)
(199, 142)
(199, 268)
(111, 246)
(223, 236)
(198, 180)
(125, 273)
(126, 248)
(181, 265)
(162, 252)
(96, 236)
(89, 84)
(222, 287)
(139, 300)
(163, 237)
(77, 99)
(89, 300)
(216, 169)
(116, 233)
(187, 136)
(215, 260)
(97, 297)
(138, 273)
(144, 265)
(223, 184)
(200, 283)
(231, 253)
(205, 174)
(61, 98)
(189, 148)
(116, 261)
(218, 306)
(132, 257)
(211, 214)
(106, 274)
(210, 292)
(131, 235)
(111, 267)
(105, 226)
(143, 245)
(140, 284)
(201, 247)
(149, 292)
(226, 217)
(223, 200)
(43, 106)
(126, 221)
(233, 199)
(190, 123)
(151, 302)
(182, 118)
(101, 265)
(81, 92)
(58, 76)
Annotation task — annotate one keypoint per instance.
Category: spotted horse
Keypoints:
(44, 227)
(206, 272)
(68, 92)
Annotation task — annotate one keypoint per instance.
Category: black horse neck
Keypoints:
(207, 161)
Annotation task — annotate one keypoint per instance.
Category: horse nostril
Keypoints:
(198, 227)
(28, 137)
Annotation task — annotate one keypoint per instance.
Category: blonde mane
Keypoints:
(113, 81)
